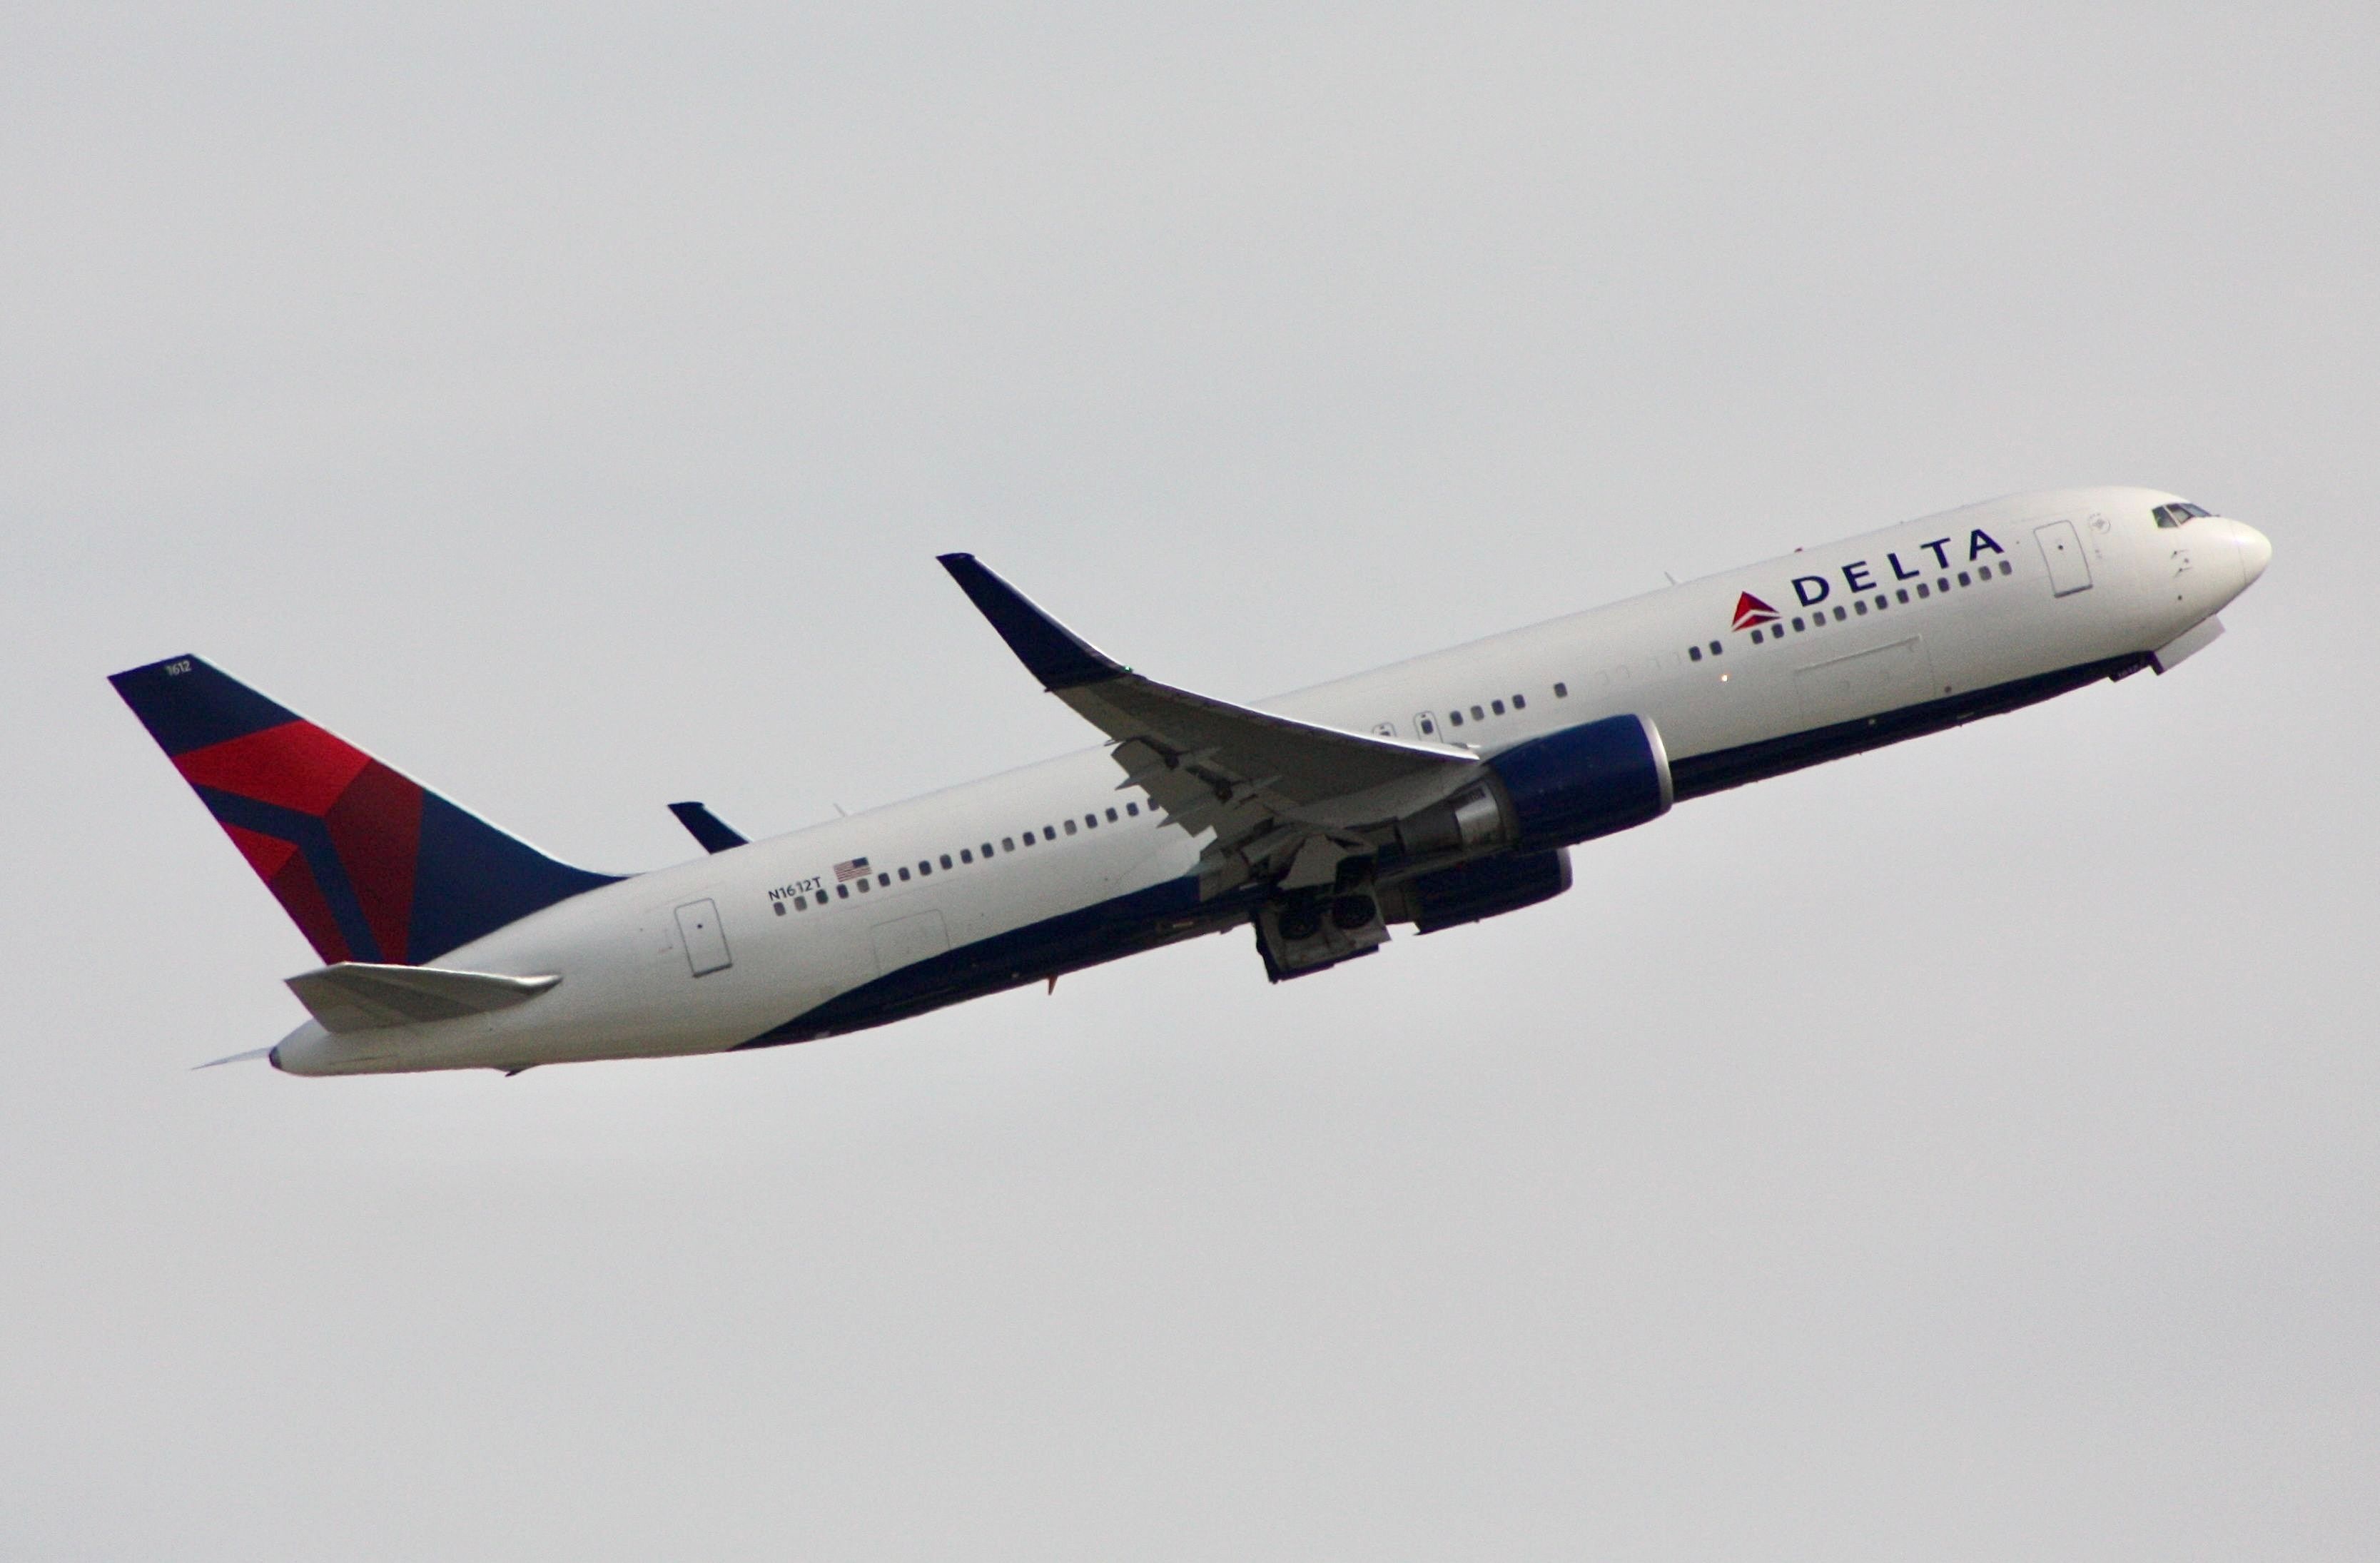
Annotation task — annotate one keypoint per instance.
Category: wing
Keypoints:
(1265, 785)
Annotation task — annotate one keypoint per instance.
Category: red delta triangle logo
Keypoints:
(1751, 610)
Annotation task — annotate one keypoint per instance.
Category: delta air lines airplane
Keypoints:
(1430, 792)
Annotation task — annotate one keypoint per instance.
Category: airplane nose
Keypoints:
(2255, 552)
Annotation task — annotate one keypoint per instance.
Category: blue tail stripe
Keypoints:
(312, 839)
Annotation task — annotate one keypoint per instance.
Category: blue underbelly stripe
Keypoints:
(1068, 942)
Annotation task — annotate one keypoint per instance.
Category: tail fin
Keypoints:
(370, 865)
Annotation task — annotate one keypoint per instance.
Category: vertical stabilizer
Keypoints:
(370, 864)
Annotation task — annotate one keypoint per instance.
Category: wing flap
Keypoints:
(354, 995)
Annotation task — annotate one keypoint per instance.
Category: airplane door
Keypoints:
(1426, 725)
(2062, 549)
(706, 941)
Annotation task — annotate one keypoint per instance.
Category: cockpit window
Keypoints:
(2179, 512)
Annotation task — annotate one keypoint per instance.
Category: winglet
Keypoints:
(710, 832)
(1051, 652)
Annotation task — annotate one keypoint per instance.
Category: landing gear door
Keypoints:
(2069, 571)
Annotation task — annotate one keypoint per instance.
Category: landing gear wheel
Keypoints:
(1303, 920)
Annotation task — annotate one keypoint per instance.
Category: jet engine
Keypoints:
(1566, 787)
(1486, 888)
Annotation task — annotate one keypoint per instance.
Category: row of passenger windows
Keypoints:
(966, 856)
(1425, 722)
(1859, 607)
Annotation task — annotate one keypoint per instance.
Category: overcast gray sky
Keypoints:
(1966, 1151)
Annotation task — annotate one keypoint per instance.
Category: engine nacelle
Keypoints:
(1489, 888)
(1585, 782)
(1566, 787)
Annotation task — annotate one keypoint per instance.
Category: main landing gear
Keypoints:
(1300, 932)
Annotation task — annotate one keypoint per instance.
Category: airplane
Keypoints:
(1434, 793)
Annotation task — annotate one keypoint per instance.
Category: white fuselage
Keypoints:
(1995, 605)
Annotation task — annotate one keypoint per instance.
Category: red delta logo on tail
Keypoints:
(1751, 610)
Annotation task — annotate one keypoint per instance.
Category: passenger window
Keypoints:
(1755, 638)
(924, 869)
(1520, 702)
(801, 903)
(1477, 715)
(1091, 822)
(1049, 834)
(946, 860)
(1963, 580)
(2006, 568)
(1425, 725)
(1008, 843)
(842, 892)
(1562, 691)
(1860, 607)
(887, 879)
(1456, 717)
(865, 887)
(1132, 808)
(1882, 602)
(904, 876)
(1070, 827)
(1112, 818)
(966, 854)
(1797, 624)
(1922, 591)
(1693, 653)
(1500, 708)
(1902, 593)
(1030, 838)
(1943, 585)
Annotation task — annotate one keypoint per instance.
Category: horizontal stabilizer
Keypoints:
(353, 996)
(712, 834)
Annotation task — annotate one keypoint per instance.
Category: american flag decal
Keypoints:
(855, 870)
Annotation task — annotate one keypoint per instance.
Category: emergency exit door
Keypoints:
(706, 941)
(2061, 549)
